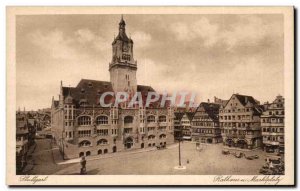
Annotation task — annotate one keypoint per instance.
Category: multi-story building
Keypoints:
(22, 145)
(272, 124)
(240, 122)
(186, 126)
(177, 125)
(83, 127)
(205, 123)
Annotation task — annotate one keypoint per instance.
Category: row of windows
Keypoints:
(207, 124)
(102, 132)
(272, 120)
(69, 134)
(203, 131)
(276, 112)
(234, 117)
(234, 110)
(273, 130)
(225, 124)
(87, 143)
(85, 133)
(162, 136)
(102, 120)
(273, 138)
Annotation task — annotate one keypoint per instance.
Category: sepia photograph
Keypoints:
(150, 95)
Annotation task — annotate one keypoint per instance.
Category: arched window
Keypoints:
(102, 120)
(99, 152)
(162, 118)
(84, 120)
(151, 137)
(128, 119)
(162, 136)
(85, 143)
(151, 118)
(102, 142)
(105, 151)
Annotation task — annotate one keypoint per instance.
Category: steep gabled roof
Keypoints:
(244, 99)
(190, 115)
(178, 115)
(212, 109)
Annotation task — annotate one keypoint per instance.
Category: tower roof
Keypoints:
(122, 34)
(122, 22)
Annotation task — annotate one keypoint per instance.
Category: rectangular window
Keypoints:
(102, 132)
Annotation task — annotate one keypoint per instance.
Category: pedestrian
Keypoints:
(83, 165)
(187, 161)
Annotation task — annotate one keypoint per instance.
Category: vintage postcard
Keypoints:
(150, 96)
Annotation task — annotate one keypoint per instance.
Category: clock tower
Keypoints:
(123, 67)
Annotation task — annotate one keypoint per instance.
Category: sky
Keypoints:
(211, 55)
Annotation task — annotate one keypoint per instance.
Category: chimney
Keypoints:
(208, 101)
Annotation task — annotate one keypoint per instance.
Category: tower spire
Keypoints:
(122, 24)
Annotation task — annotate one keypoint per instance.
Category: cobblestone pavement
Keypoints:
(207, 161)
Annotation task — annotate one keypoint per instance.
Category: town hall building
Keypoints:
(81, 126)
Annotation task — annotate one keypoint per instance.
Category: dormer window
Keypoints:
(82, 90)
(90, 84)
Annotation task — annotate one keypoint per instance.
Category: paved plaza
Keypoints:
(208, 161)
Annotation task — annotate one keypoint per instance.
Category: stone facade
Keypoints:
(272, 123)
(83, 127)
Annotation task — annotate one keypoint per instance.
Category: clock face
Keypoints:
(125, 47)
